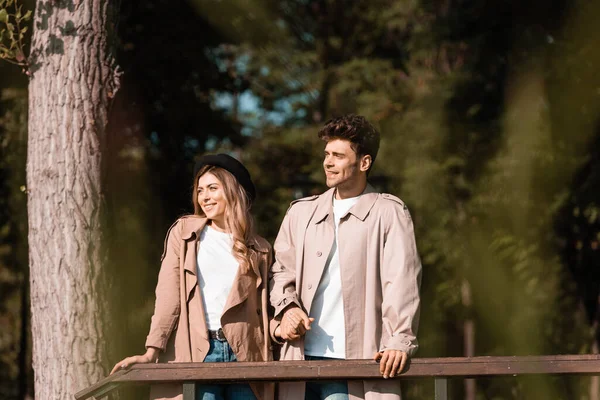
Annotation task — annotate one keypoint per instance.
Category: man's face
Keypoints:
(341, 165)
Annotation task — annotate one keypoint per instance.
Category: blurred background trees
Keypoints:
(489, 114)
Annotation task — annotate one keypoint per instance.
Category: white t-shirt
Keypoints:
(327, 336)
(216, 268)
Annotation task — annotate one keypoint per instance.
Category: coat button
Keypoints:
(319, 254)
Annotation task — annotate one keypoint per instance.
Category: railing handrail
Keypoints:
(278, 371)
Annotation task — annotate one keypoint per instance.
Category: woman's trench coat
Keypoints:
(178, 326)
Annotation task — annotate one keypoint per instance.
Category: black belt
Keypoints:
(218, 334)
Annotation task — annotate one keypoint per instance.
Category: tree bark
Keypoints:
(73, 79)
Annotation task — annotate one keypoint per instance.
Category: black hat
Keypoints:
(232, 165)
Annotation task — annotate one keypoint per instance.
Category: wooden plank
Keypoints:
(102, 387)
(360, 369)
(468, 367)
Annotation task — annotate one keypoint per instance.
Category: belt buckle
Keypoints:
(221, 335)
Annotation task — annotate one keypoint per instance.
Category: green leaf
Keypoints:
(5, 53)
(10, 27)
(3, 15)
(27, 16)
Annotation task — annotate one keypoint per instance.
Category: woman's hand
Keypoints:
(294, 324)
(150, 356)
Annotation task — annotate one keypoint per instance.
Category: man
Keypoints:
(346, 275)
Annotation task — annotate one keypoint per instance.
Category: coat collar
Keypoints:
(324, 205)
(360, 210)
(193, 225)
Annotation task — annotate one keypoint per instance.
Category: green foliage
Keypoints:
(478, 137)
(13, 28)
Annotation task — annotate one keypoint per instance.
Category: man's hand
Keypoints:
(294, 324)
(391, 362)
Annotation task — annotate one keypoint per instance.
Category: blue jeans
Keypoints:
(221, 352)
(325, 390)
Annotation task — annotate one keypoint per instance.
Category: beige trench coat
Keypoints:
(380, 272)
(178, 326)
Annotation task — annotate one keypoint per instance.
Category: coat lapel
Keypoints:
(242, 284)
(190, 235)
(364, 204)
(321, 236)
(245, 283)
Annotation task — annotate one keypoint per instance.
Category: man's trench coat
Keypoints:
(178, 326)
(380, 271)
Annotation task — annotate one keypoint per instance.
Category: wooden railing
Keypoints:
(439, 369)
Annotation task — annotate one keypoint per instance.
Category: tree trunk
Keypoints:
(73, 78)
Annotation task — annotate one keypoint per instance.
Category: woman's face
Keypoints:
(211, 198)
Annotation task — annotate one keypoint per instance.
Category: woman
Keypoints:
(211, 296)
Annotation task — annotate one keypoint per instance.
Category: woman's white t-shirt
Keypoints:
(216, 268)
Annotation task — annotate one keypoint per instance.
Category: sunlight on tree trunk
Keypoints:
(73, 79)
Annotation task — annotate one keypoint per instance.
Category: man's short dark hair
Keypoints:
(363, 137)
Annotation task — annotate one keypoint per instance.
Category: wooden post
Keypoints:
(189, 390)
(441, 388)
(469, 336)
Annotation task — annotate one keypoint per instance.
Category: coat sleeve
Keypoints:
(283, 271)
(400, 280)
(167, 305)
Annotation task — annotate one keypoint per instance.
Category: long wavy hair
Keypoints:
(238, 220)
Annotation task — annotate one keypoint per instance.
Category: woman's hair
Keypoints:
(238, 219)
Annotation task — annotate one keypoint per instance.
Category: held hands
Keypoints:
(391, 362)
(150, 356)
(294, 324)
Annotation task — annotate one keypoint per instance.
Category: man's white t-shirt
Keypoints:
(327, 336)
(216, 268)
